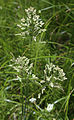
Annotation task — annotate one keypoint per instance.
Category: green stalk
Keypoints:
(68, 98)
(37, 50)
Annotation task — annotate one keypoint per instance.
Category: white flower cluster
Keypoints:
(50, 107)
(22, 64)
(31, 25)
(53, 75)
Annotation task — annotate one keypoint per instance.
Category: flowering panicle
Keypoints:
(31, 24)
(54, 75)
(22, 64)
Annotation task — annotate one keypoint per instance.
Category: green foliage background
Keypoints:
(59, 48)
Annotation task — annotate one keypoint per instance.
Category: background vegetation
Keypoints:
(58, 17)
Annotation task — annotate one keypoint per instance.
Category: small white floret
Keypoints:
(49, 107)
(32, 100)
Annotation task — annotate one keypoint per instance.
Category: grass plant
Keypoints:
(37, 66)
